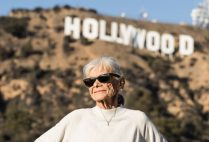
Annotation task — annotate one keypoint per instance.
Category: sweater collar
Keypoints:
(108, 112)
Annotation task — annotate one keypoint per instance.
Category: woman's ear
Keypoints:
(122, 82)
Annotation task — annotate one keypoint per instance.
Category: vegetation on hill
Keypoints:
(40, 76)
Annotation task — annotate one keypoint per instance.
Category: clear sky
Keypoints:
(168, 11)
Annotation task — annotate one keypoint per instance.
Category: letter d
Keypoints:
(186, 45)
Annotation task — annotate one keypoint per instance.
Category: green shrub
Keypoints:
(38, 9)
(18, 122)
(85, 41)
(57, 8)
(6, 53)
(15, 26)
(66, 45)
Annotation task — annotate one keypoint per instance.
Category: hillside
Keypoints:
(41, 75)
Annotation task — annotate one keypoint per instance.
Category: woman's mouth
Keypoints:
(100, 91)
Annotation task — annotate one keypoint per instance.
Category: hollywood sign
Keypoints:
(92, 29)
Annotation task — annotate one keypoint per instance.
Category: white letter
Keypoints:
(115, 34)
(90, 28)
(72, 25)
(153, 41)
(167, 44)
(127, 33)
(186, 45)
(102, 34)
(139, 39)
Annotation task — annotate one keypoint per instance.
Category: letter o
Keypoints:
(153, 41)
(167, 44)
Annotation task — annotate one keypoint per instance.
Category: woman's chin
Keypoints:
(99, 97)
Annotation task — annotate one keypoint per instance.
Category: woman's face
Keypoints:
(103, 91)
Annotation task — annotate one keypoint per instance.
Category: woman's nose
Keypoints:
(97, 83)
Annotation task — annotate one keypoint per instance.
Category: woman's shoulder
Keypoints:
(78, 112)
(137, 115)
(75, 114)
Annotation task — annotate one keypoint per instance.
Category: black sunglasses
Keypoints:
(104, 78)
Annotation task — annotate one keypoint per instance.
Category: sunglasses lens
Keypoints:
(89, 82)
(104, 78)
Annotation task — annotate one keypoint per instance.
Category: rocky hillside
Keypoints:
(41, 72)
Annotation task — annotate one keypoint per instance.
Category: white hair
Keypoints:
(102, 63)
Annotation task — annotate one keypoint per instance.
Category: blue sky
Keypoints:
(168, 11)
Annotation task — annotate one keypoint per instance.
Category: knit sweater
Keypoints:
(90, 125)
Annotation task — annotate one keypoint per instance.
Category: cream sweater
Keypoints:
(89, 125)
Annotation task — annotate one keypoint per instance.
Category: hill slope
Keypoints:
(40, 75)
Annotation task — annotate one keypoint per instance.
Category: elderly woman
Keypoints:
(108, 121)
